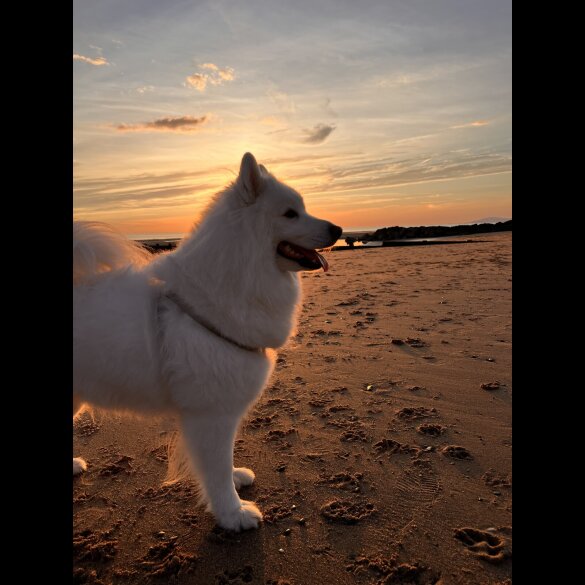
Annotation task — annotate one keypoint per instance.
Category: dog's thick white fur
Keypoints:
(191, 332)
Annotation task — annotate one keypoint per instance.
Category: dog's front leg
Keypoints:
(210, 442)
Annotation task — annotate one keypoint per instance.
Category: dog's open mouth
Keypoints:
(308, 259)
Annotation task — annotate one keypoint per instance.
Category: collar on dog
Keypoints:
(180, 303)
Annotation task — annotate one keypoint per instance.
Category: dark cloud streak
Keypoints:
(318, 134)
(177, 124)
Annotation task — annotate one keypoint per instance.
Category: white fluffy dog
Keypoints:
(192, 332)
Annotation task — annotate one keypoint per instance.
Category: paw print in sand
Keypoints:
(488, 545)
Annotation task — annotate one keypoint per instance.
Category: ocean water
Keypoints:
(178, 237)
(157, 236)
(175, 237)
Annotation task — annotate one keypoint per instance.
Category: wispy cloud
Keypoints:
(176, 124)
(152, 191)
(145, 89)
(282, 101)
(475, 124)
(318, 134)
(353, 175)
(273, 121)
(329, 182)
(425, 73)
(215, 76)
(328, 109)
(98, 61)
(277, 124)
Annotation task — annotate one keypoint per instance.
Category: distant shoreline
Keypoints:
(394, 233)
(383, 237)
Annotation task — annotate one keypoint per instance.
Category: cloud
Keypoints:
(391, 172)
(318, 134)
(273, 121)
(156, 192)
(282, 101)
(472, 124)
(145, 89)
(328, 109)
(176, 124)
(226, 74)
(197, 80)
(277, 125)
(98, 61)
(425, 74)
(216, 76)
(329, 182)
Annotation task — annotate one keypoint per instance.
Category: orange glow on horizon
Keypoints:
(406, 216)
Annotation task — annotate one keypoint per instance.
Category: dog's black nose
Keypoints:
(335, 231)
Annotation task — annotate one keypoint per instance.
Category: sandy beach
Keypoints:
(381, 446)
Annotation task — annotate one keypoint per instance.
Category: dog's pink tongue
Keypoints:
(323, 262)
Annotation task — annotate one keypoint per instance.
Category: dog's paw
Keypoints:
(246, 517)
(243, 477)
(79, 465)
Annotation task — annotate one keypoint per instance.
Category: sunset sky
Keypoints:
(379, 112)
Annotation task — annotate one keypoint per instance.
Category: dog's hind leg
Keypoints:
(210, 443)
(79, 465)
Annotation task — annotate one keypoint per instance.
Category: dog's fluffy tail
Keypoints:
(98, 248)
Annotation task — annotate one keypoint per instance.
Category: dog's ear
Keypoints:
(250, 180)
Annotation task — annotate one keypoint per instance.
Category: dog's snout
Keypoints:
(335, 231)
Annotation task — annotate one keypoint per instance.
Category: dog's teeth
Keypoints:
(291, 253)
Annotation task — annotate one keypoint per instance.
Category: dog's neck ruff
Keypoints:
(185, 308)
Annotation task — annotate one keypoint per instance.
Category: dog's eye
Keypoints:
(291, 213)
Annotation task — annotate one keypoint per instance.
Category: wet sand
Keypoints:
(381, 447)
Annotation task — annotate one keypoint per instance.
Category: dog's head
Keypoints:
(293, 232)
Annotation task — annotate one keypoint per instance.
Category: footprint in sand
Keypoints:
(343, 481)
(278, 434)
(94, 546)
(347, 512)
(261, 421)
(121, 464)
(494, 479)
(242, 575)
(352, 435)
(276, 514)
(391, 446)
(456, 452)
(411, 413)
(488, 546)
(392, 571)
(431, 430)
(490, 386)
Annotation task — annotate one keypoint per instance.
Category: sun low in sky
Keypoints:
(379, 113)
